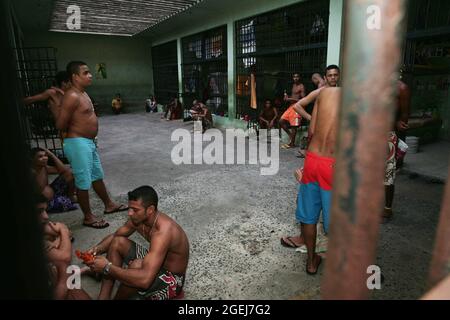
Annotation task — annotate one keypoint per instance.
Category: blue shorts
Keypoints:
(314, 192)
(84, 160)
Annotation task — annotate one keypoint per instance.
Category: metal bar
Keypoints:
(433, 32)
(371, 59)
(283, 50)
(440, 263)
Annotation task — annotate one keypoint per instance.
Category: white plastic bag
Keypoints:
(401, 149)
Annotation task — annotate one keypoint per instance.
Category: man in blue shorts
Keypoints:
(76, 116)
(317, 180)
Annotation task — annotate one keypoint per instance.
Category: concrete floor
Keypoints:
(234, 218)
(430, 162)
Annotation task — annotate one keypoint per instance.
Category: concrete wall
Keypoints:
(128, 63)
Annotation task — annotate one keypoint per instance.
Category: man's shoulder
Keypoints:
(168, 223)
(72, 94)
(73, 97)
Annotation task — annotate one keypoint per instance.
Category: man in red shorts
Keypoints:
(314, 193)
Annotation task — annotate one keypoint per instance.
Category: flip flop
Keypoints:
(288, 243)
(300, 155)
(286, 146)
(317, 268)
(98, 224)
(120, 208)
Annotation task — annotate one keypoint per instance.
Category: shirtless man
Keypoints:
(332, 76)
(76, 116)
(156, 273)
(314, 193)
(290, 120)
(268, 115)
(319, 82)
(399, 128)
(61, 192)
(54, 95)
(58, 248)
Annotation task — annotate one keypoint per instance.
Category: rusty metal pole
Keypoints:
(440, 263)
(373, 34)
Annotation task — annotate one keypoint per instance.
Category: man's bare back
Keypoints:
(326, 122)
(56, 96)
(83, 122)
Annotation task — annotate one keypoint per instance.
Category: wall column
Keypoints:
(231, 70)
(180, 69)
(335, 32)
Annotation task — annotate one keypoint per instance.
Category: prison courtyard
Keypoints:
(234, 218)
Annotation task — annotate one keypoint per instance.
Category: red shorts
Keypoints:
(318, 169)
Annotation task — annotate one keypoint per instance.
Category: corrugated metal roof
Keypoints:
(115, 17)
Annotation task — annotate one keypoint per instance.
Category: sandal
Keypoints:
(98, 224)
(120, 208)
(288, 243)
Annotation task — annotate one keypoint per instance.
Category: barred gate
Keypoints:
(36, 70)
(276, 45)
(165, 71)
(205, 73)
(427, 63)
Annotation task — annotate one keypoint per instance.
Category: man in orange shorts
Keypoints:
(290, 120)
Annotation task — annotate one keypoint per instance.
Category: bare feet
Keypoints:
(387, 215)
(313, 266)
(73, 198)
(298, 174)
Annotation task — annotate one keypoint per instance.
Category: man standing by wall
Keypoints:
(290, 120)
(76, 116)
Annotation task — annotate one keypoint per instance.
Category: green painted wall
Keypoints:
(128, 63)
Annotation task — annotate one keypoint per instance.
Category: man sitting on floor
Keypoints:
(117, 104)
(58, 248)
(174, 110)
(200, 112)
(61, 192)
(268, 116)
(156, 273)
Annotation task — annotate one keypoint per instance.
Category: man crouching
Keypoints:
(155, 274)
